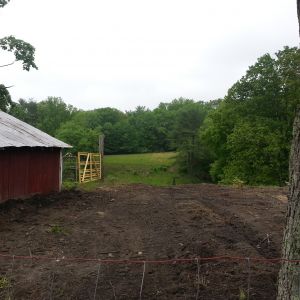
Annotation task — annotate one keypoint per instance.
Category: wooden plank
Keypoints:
(87, 160)
(91, 165)
(101, 153)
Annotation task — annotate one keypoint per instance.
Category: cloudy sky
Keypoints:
(117, 53)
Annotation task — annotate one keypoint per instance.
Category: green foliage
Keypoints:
(56, 229)
(69, 185)
(22, 51)
(120, 137)
(254, 154)
(138, 131)
(249, 134)
(52, 113)
(193, 155)
(48, 115)
(5, 99)
(238, 182)
(170, 126)
(82, 139)
(4, 283)
(26, 111)
(107, 115)
(242, 295)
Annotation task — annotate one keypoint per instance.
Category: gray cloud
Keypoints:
(127, 53)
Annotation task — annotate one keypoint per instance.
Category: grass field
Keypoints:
(149, 168)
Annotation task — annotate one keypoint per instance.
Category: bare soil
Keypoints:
(143, 223)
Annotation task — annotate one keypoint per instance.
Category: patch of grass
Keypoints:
(69, 185)
(148, 168)
(56, 229)
(236, 182)
(242, 295)
(90, 186)
(4, 283)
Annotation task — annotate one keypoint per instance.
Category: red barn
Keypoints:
(30, 160)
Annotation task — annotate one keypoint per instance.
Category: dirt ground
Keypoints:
(143, 223)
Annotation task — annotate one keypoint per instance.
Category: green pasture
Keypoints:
(149, 168)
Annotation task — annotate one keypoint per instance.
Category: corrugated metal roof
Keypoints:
(16, 133)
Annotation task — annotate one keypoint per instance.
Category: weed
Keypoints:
(238, 182)
(69, 185)
(242, 295)
(202, 281)
(90, 186)
(4, 283)
(160, 169)
(57, 229)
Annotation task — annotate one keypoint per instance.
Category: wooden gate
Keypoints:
(89, 166)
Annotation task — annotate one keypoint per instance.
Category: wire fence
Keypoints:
(70, 171)
(257, 260)
(177, 278)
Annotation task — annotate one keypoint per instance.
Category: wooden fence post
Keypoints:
(101, 153)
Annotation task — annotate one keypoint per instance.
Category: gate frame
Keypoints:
(90, 168)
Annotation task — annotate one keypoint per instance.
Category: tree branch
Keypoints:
(22, 51)
(7, 64)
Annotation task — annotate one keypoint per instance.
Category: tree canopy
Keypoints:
(249, 134)
(22, 51)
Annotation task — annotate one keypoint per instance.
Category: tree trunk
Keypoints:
(289, 275)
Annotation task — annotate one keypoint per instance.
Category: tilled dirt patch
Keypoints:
(143, 223)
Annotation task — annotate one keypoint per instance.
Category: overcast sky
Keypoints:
(125, 53)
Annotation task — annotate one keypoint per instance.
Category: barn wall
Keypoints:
(28, 171)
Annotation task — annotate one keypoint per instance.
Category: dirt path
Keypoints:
(143, 222)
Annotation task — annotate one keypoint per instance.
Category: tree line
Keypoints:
(142, 130)
(245, 136)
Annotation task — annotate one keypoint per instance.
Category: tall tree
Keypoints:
(25, 110)
(261, 106)
(289, 281)
(52, 113)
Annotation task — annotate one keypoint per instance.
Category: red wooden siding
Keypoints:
(28, 171)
